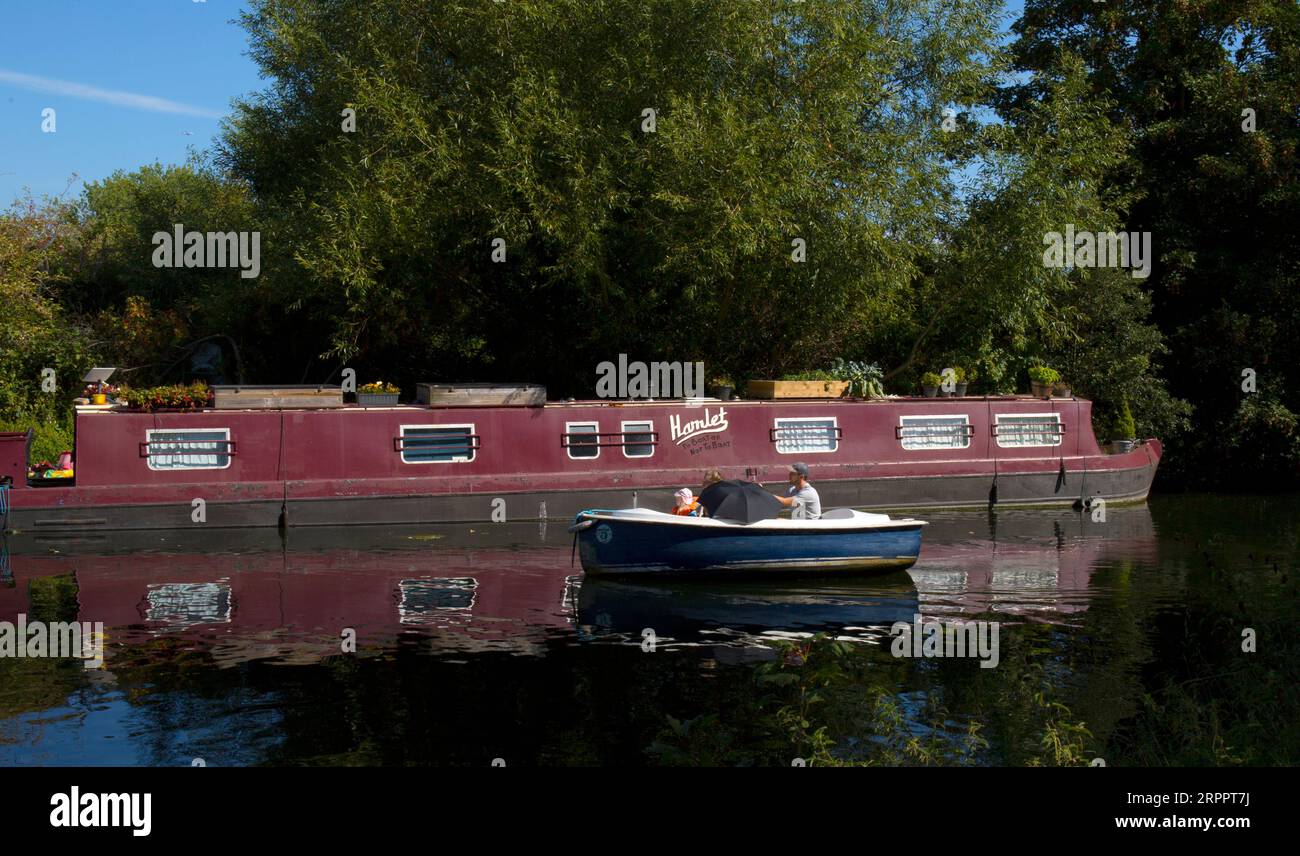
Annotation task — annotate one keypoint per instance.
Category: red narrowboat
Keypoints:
(304, 466)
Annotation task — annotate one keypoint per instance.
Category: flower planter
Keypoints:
(377, 399)
(1040, 390)
(960, 390)
(1120, 447)
(930, 391)
(1060, 391)
(723, 393)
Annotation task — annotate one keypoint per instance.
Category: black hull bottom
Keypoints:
(891, 494)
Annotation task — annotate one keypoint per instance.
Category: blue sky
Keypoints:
(104, 66)
(178, 51)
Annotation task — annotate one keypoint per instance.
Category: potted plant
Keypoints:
(722, 388)
(1123, 432)
(865, 380)
(1041, 379)
(1061, 389)
(957, 387)
(930, 384)
(378, 394)
(98, 393)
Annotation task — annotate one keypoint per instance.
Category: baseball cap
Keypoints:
(800, 468)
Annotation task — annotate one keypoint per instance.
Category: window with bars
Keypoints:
(806, 436)
(638, 439)
(934, 432)
(582, 439)
(188, 449)
(1028, 429)
(437, 444)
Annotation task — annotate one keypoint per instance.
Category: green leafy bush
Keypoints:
(930, 379)
(1123, 428)
(1042, 374)
(49, 437)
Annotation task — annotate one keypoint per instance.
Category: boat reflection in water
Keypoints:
(457, 590)
(718, 611)
(249, 595)
(1028, 565)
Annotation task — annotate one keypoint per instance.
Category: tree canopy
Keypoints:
(471, 190)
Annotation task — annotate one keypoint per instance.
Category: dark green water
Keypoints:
(1119, 640)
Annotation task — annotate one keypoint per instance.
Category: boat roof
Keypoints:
(614, 402)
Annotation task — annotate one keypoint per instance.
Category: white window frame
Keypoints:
(149, 441)
(965, 430)
(1060, 432)
(834, 426)
(649, 430)
(458, 459)
(568, 429)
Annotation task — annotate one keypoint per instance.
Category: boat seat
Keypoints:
(838, 514)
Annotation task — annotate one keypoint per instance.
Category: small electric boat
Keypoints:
(641, 541)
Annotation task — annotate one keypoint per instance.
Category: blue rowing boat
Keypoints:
(640, 541)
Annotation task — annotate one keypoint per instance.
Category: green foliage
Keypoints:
(865, 379)
(524, 122)
(1221, 199)
(1043, 374)
(50, 437)
(930, 379)
(1263, 439)
(173, 396)
(38, 335)
(1123, 427)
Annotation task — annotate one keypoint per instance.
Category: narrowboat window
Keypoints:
(438, 444)
(189, 449)
(934, 432)
(1028, 429)
(638, 439)
(806, 436)
(579, 444)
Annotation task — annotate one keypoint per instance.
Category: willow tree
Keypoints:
(756, 184)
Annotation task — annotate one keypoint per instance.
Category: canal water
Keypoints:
(1160, 634)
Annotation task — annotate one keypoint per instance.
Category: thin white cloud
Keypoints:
(107, 96)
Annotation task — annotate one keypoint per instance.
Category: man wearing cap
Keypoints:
(801, 495)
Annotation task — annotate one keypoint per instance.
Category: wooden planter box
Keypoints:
(481, 394)
(276, 397)
(797, 388)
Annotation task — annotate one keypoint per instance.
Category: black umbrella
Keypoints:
(739, 500)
